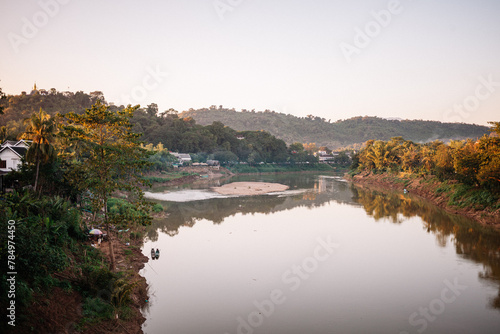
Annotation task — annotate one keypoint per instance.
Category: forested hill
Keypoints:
(290, 128)
(335, 134)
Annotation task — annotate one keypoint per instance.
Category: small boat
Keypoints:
(153, 254)
(157, 254)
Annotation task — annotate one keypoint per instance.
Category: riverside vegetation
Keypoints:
(88, 168)
(163, 132)
(74, 164)
(466, 173)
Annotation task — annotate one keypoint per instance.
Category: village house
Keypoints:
(324, 157)
(11, 153)
(183, 158)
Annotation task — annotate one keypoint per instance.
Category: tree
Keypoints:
(3, 134)
(296, 147)
(108, 157)
(225, 157)
(2, 96)
(378, 154)
(152, 109)
(342, 159)
(310, 148)
(254, 158)
(41, 130)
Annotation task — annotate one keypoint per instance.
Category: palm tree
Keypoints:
(41, 130)
(3, 134)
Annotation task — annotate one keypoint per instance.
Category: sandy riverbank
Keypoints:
(249, 188)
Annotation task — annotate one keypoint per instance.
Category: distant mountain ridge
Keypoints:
(343, 133)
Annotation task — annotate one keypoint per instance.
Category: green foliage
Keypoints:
(41, 130)
(94, 310)
(226, 157)
(2, 97)
(122, 289)
(168, 177)
(96, 279)
(123, 212)
(45, 229)
(276, 168)
(474, 164)
(160, 159)
(467, 196)
(331, 133)
(213, 141)
(106, 157)
(157, 208)
(180, 134)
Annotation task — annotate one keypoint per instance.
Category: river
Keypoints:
(323, 257)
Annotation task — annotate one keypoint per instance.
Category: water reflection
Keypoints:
(316, 191)
(470, 240)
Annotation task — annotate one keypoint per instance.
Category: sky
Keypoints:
(336, 59)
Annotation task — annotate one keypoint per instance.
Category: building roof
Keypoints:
(19, 151)
(9, 143)
(21, 142)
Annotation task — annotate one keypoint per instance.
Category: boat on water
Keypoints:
(155, 254)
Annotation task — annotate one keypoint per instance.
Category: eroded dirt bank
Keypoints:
(426, 188)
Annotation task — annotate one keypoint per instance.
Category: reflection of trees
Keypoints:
(472, 241)
(320, 192)
(216, 210)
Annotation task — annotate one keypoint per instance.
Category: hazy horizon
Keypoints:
(336, 60)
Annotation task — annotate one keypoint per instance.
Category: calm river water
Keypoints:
(324, 257)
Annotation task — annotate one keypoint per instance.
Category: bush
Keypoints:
(157, 208)
(95, 309)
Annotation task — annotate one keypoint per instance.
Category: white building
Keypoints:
(182, 157)
(11, 153)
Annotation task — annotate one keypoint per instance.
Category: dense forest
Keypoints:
(468, 169)
(334, 134)
(214, 141)
(149, 120)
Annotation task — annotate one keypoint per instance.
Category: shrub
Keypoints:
(157, 208)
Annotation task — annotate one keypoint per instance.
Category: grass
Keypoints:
(466, 196)
(272, 168)
(95, 310)
(168, 177)
(444, 188)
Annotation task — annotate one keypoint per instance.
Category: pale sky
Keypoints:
(413, 59)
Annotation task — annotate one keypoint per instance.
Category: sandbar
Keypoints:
(249, 188)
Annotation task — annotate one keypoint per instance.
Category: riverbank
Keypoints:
(439, 193)
(242, 169)
(187, 175)
(66, 310)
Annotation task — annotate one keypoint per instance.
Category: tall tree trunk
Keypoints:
(37, 170)
(111, 250)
